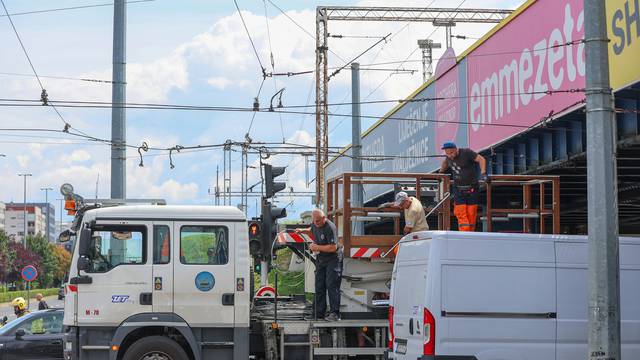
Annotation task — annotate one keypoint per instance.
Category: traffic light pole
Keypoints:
(270, 216)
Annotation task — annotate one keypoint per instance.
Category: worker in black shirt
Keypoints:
(328, 265)
(462, 164)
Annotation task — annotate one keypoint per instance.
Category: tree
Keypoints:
(6, 258)
(21, 258)
(63, 259)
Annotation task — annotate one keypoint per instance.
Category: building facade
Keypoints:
(2, 211)
(14, 221)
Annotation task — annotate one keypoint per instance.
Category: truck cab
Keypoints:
(164, 281)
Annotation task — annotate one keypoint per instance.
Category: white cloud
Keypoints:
(78, 156)
(174, 191)
(222, 83)
(23, 160)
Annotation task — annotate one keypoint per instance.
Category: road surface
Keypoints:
(7, 310)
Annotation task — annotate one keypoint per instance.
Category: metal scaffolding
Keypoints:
(438, 16)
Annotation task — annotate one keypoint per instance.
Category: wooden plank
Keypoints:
(374, 240)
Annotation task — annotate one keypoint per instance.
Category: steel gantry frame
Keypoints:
(438, 16)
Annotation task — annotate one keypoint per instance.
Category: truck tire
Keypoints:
(155, 348)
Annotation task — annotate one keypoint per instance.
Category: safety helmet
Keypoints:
(19, 303)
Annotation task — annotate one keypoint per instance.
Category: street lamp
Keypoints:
(46, 200)
(24, 209)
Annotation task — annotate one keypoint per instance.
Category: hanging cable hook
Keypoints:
(176, 148)
(145, 148)
(279, 99)
(44, 97)
(264, 153)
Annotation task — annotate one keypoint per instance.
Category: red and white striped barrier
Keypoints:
(365, 252)
(285, 237)
(266, 292)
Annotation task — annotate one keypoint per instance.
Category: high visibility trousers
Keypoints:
(465, 207)
(467, 216)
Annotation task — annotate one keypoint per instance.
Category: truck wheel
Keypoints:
(155, 348)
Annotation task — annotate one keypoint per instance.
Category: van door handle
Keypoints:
(411, 326)
(146, 299)
(228, 299)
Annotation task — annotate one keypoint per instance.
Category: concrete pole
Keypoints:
(264, 273)
(118, 96)
(24, 210)
(602, 192)
(356, 146)
(46, 201)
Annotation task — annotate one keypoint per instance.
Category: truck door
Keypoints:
(204, 265)
(162, 278)
(119, 274)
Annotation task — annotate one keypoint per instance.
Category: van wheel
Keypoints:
(155, 348)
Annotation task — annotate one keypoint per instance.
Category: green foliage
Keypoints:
(10, 295)
(289, 282)
(51, 260)
(194, 247)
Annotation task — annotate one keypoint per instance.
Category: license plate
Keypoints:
(401, 348)
(68, 346)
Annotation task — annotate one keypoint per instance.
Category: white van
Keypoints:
(488, 296)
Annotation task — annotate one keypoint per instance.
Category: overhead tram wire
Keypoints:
(43, 96)
(273, 66)
(303, 29)
(155, 106)
(255, 51)
(287, 111)
(63, 78)
(71, 8)
(407, 58)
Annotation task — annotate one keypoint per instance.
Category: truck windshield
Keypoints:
(116, 245)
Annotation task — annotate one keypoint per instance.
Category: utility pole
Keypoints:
(46, 201)
(61, 209)
(24, 209)
(118, 99)
(356, 146)
(602, 192)
(427, 46)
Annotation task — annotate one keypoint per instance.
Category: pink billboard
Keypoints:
(516, 77)
(447, 99)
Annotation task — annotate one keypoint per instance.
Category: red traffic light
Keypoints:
(255, 230)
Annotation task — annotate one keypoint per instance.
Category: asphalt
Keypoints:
(7, 310)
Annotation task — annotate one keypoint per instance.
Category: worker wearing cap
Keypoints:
(414, 218)
(462, 164)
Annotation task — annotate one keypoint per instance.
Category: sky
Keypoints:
(192, 52)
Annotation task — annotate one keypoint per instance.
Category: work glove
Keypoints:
(485, 179)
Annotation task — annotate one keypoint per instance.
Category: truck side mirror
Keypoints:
(83, 262)
(20, 333)
(84, 242)
(65, 236)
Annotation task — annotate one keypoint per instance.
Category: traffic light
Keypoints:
(270, 173)
(270, 216)
(255, 238)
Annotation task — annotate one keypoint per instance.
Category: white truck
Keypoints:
(489, 296)
(154, 282)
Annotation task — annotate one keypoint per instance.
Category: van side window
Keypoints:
(161, 244)
(117, 245)
(204, 245)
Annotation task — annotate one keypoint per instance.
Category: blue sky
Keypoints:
(187, 52)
